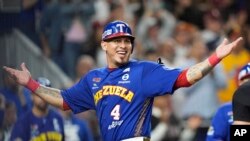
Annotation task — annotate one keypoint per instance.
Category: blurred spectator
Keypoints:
(237, 25)
(223, 118)
(21, 14)
(95, 38)
(39, 122)
(212, 33)
(10, 118)
(29, 18)
(165, 125)
(238, 58)
(156, 25)
(84, 64)
(117, 11)
(50, 30)
(73, 43)
(167, 51)
(151, 54)
(76, 26)
(75, 129)
(183, 35)
(204, 94)
(192, 129)
(220, 124)
(188, 11)
(103, 14)
(241, 105)
(14, 93)
(2, 108)
(241, 98)
(94, 44)
(226, 7)
(64, 39)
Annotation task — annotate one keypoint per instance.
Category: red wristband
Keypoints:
(32, 85)
(65, 106)
(213, 59)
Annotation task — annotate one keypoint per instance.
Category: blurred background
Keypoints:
(60, 40)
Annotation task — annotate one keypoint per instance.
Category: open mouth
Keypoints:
(123, 53)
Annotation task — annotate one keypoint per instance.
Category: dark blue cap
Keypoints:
(117, 29)
(44, 81)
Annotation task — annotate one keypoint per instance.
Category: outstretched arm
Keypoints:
(23, 77)
(198, 71)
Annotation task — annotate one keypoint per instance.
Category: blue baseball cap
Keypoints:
(117, 29)
(44, 81)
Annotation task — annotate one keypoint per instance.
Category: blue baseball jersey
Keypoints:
(122, 97)
(31, 128)
(220, 127)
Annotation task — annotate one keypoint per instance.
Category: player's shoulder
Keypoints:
(225, 107)
(145, 63)
(97, 71)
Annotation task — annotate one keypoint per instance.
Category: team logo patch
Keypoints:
(95, 86)
(125, 77)
(96, 79)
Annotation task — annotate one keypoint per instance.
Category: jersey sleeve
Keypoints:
(219, 127)
(157, 79)
(79, 97)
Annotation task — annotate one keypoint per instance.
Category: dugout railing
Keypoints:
(16, 48)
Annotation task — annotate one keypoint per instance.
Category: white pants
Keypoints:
(137, 139)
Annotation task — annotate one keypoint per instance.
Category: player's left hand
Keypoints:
(225, 48)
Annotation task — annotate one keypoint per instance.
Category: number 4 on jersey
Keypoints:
(116, 112)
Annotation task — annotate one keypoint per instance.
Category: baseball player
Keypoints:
(223, 118)
(241, 104)
(40, 123)
(123, 92)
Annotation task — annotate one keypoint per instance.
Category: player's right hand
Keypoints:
(20, 76)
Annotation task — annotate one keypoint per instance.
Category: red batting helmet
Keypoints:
(244, 72)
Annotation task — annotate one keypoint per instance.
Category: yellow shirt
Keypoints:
(230, 65)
